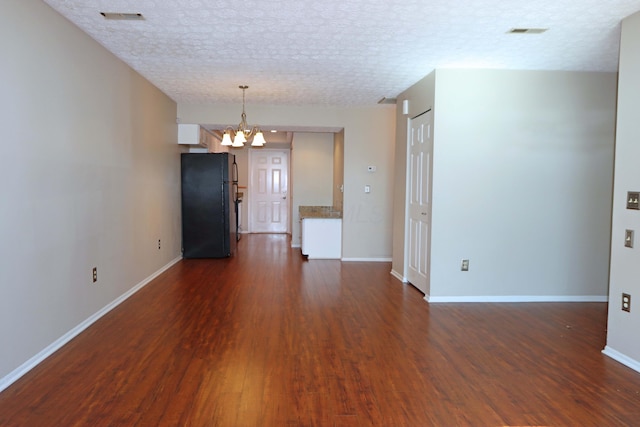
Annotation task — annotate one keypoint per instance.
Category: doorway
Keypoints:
(268, 208)
(418, 209)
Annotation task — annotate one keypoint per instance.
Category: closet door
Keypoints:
(418, 222)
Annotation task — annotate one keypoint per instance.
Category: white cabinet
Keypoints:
(190, 135)
(322, 238)
(197, 137)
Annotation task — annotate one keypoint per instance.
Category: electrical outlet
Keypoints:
(95, 274)
(628, 238)
(465, 265)
(159, 244)
(626, 303)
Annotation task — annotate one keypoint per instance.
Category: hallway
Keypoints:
(269, 339)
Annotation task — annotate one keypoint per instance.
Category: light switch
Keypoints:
(628, 238)
(632, 200)
(367, 189)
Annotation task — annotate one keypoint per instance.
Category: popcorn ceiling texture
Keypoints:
(343, 52)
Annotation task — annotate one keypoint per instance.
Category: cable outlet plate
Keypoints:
(626, 303)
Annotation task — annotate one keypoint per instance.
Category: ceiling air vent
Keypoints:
(122, 16)
(527, 30)
(387, 101)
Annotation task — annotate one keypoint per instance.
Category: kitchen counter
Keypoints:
(319, 212)
(321, 232)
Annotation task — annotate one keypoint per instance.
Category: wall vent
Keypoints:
(114, 16)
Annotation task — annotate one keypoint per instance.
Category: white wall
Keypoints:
(368, 140)
(89, 176)
(623, 338)
(312, 175)
(522, 179)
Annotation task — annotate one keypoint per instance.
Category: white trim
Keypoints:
(407, 195)
(398, 276)
(619, 357)
(295, 245)
(366, 259)
(520, 298)
(15, 375)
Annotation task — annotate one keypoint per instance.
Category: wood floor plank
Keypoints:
(267, 338)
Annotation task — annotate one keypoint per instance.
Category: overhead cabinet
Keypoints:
(198, 137)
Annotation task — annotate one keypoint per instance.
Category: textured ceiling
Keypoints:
(341, 52)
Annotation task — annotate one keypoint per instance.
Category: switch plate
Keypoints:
(367, 189)
(626, 303)
(465, 265)
(632, 200)
(628, 238)
(95, 274)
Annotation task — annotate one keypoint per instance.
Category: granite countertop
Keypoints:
(319, 212)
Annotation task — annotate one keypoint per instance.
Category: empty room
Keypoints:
(299, 213)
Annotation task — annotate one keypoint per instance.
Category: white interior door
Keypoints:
(418, 222)
(269, 200)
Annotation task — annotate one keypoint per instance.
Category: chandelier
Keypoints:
(244, 131)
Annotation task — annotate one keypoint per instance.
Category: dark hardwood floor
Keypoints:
(269, 339)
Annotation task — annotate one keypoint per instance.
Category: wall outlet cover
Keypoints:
(626, 302)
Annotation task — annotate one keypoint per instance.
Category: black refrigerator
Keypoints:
(209, 205)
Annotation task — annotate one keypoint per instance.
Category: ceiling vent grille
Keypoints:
(527, 30)
(387, 101)
(114, 16)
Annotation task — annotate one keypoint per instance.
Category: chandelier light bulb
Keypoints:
(239, 139)
(258, 139)
(226, 139)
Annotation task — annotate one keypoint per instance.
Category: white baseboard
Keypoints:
(398, 276)
(625, 360)
(520, 298)
(14, 375)
(366, 259)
